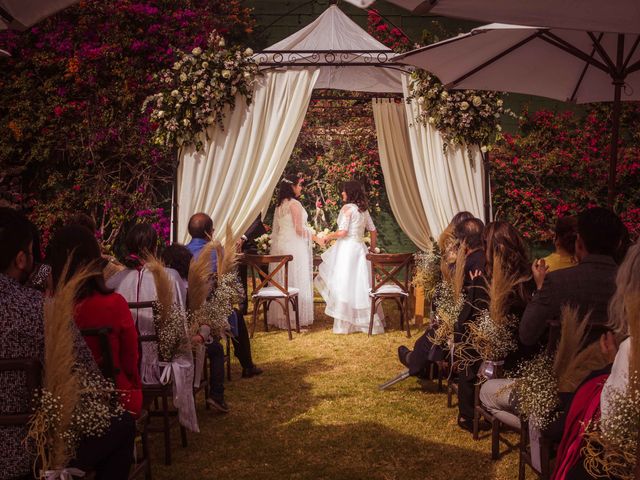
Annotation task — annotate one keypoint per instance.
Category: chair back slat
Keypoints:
(33, 377)
(107, 366)
(259, 264)
(391, 268)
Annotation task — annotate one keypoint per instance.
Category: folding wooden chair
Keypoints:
(390, 279)
(266, 289)
(153, 393)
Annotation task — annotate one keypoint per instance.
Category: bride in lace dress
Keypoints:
(344, 277)
(291, 236)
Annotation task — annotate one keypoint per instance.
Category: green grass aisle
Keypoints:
(316, 413)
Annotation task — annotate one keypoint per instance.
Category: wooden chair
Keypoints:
(33, 376)
(497, 427)
(142, 462)
(546, 448)
(390, 280)
(267, 290)
(153, 393)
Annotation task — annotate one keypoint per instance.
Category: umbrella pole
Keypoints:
(615, 134)
(487, 187)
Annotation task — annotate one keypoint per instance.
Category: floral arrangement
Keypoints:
(463, 117)
(198, 89)
(263, 242)
(611, 442)
(216, 310)
(427, 270)
(536, 391)
(448, 308)
(73, 402)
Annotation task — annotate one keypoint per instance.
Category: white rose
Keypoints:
(205, 64)
(221, 42)
(248, 52)
(499, 102)
(160, 114)
(444, 95)
(464, 106)
(175, 93)
(186, 122)
(196, 51)
(477, 101)
(210, 120)
(376, 250)
(483, 149)
(226, 73)
(183, 77)
(431, 120)
(193, 99)
(246, 74)
(420, 100)
(499, 128)
(177, 65)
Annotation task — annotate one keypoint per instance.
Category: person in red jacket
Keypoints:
(98, 306)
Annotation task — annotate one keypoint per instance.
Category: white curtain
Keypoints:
(397, 168)
(233, 177)
(447, 183)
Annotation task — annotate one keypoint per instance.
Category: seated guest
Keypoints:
(564, 242)
(587, 286)
(594, 395)
(424, 351)
(137, 284)
(201, 229)
(22, 327)
(178, 257)
(97, 307)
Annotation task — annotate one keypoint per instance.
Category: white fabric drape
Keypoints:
(397, 167)
(447, 183)
(233, 177)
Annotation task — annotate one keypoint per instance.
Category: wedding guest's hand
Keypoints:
(475, 274)
(197, 339)
(320, 241)
(608, 346)
(539, 270)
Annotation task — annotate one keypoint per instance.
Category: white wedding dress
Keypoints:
(291, 236)
(344, 277)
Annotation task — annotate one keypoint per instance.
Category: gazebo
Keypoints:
(233, 176)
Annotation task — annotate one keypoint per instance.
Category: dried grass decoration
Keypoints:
(539, 381)
(491, 337)
(427, 272)
(214, 307)
(73, 403)
(169, 319)
(610, 447)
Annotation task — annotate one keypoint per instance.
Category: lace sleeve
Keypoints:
(296, 210)
(370, 226)
(275, 228)
(344, 219)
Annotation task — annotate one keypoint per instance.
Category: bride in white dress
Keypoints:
(344, 278)
(291, 236)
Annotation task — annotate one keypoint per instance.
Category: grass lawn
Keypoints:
(316, 413)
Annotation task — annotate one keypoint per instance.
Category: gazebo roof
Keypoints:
(348, 57)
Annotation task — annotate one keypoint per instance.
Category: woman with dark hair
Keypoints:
(344, 276)
(98, 306)
(564, 242)
(291, 236)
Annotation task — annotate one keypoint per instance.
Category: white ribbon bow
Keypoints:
(63, 474)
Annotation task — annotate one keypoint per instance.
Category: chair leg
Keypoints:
(166, 421)
(254, 319)
(524, 440)
(228, 359)
(296, 309)
(266, 310)
(144, 436)
(476, 413)
(496, 426)
(183, 436)
(405, 305)
(545, 461)
(287, 318)
(371, 314)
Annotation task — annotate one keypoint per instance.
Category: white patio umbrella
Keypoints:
(596, 15)
(22, 14)
(568, 65)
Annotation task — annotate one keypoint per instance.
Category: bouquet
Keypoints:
(427, 270)
(263, 242)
